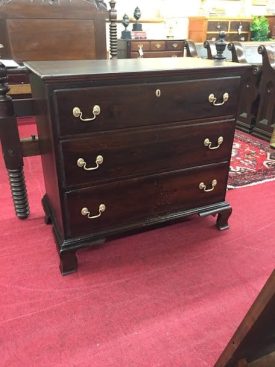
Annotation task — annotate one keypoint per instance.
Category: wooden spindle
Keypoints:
(113, 29)
(11, 148)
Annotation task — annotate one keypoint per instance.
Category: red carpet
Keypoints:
(170, 297)
(252, 161)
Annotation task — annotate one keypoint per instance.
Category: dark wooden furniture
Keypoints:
(53, 30)
(265, 120)
(133, 143)
(18, 79)
(253, 343)
(249, 101)
(203, 28)
(154, 48)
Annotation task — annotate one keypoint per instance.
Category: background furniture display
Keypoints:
(132, 144)
(256, 113)
(201, 29)
(150, 48)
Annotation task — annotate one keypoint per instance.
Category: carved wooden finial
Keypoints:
(6, 106)
(113, 29)
(220, 46)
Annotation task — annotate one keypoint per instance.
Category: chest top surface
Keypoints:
(88, 69)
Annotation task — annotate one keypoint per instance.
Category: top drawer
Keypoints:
(216, 26)
(85, 110)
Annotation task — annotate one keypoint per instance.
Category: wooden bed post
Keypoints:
(11, 147)
(113, 29)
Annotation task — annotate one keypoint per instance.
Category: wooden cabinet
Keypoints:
(154, 48)
(271, 21)
(128, 144)
(203, 28)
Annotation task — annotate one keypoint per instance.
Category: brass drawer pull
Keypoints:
(86, 212)
(82, 164)
(140, 50)
(208, 143)
(202, 186)
(175, 45)
(212, 99)
(77, 113)
(158, 45)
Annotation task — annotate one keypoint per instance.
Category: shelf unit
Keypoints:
(207, 28)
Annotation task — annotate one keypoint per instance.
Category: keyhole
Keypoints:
(158, 93)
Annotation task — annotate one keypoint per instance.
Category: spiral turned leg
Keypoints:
(19, 193)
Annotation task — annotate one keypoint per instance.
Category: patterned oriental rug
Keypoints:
(252, 161)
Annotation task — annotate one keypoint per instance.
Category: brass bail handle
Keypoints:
(86, 212)
(78, 113)
(213, 100)
(82, 164)
(208, 143)
(203, 187)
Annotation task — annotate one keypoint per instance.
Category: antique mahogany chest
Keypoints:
(128, 144)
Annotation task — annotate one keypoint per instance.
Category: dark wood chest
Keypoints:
(128, 144)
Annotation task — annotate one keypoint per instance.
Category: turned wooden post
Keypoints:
(190, 47)
(210, 48)
(113, 29)
(11, 148)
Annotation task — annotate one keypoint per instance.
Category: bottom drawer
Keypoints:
(137, 202)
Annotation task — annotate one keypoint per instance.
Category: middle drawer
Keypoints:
(109, 156)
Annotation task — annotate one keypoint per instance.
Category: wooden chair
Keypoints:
(249, 95)
(265, 120)
(190, 47)
(192, 51)
(210, 47)
(63, 30)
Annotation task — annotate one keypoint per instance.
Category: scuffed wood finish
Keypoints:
(164, 148)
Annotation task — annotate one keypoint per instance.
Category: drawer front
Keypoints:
(142, 104)
(110, 156)
(218, 26)
(157, 45)
(239, 24)
(20, 78)
(174, 45)
(136, 45)
(154, 54)
(132, 203)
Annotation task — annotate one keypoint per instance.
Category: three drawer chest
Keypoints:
(130, 144)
